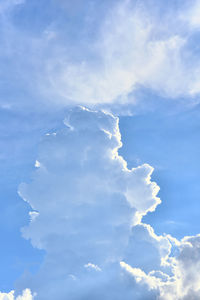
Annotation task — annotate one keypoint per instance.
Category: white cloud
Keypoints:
(157, 250)
(183, 283)
(88, 209)
(37, 164)
(26, 295)
(132, 49)
(92, 267)
(86, 201)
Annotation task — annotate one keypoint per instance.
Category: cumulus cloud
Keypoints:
(184, 282)
(85, 200)
(26, 295)
(87, 216)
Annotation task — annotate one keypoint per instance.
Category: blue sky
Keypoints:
(167, 138)
(135, 60)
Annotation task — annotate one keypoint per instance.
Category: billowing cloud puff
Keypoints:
(183, 284)
(87, 216)
(85, 201)
(188, 264)
(26, 295)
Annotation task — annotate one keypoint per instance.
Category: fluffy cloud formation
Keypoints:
(85, 201)
(26, 295)
(184, 282)
(87, 216)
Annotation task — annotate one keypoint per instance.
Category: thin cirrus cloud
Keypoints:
(87, 216)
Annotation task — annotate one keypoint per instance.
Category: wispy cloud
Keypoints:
(130, 47)
(133, 48)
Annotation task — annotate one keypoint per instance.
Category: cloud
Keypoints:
(184, 284)
(157, 249)
(87, 216)
(87, 205)
(192, 17)
(187, 267)
(85, 202)
(104, 58)
(133, 49)
(26, 295)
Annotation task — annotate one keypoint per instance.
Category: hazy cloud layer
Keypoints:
(96, 54)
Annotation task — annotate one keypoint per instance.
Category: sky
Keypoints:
(99, 149)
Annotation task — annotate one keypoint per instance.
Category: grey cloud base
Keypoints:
(87, 216)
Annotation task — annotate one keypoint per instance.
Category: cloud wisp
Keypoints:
(129, 48)
(132, 49)
(87, 216)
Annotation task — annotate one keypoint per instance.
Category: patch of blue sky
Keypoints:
(167, 137)
(20, 133)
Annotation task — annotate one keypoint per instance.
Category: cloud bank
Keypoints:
(87, 216)
(99, 54)
(132, 50)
